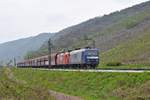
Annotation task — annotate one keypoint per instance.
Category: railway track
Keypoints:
(98, 70)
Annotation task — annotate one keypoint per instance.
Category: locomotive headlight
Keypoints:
(93, 57)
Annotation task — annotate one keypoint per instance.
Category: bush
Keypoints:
(114, 64)
(131, 24)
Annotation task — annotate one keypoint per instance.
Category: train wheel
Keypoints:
(88, 66)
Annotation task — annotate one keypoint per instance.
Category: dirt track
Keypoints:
(61, 96)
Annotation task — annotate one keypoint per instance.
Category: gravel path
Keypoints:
(61, 96)
(96, 71)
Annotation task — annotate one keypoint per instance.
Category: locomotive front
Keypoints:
(91, 57)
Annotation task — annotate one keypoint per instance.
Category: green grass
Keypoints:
(12, 88)
(125, 66)
(90, 86)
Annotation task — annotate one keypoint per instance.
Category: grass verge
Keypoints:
(90, 86)
(12, 88)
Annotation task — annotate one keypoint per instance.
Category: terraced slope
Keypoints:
(134, 51)
(134, 48)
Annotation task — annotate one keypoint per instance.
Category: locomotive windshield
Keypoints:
(92, 53)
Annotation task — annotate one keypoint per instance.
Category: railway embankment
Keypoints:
(12, 88)
(88, 86)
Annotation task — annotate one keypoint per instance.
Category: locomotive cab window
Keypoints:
(92, 53)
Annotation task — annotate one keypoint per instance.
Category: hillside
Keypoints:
(19, 48)
(134, 51)
(111, 31)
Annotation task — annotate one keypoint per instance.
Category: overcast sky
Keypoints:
(23, 18)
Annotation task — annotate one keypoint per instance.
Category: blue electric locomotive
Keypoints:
(87, 57)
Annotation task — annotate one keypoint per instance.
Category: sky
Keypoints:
(24, 18)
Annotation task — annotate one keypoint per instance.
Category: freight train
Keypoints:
(81, 58)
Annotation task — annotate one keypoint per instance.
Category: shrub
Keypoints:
(114, 64)
(131, 24)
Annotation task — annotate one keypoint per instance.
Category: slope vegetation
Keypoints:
(134, 51)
